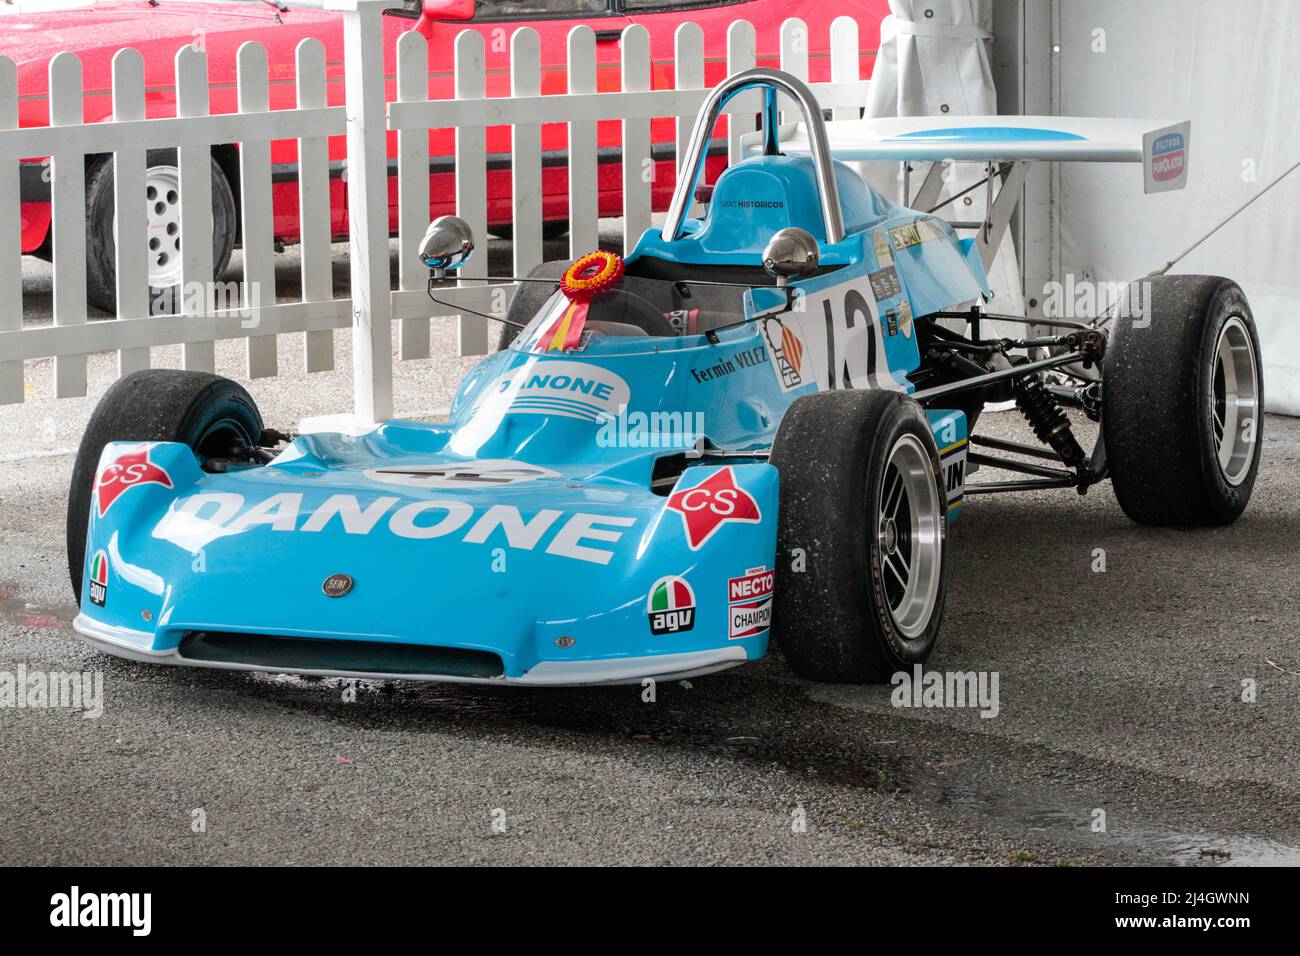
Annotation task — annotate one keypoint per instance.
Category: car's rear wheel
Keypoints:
(530, 297)
(862, 536)
(162, 236)
(1183, 399)
(211, 414)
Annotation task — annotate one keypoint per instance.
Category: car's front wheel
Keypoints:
(862, 536)
(211, 414)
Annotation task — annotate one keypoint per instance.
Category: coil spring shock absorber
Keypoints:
(1051, 426)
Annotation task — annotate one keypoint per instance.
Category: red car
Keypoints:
(158, 28)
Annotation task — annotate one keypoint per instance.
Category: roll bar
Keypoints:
(772, 82)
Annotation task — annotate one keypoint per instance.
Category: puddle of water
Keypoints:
(16, 610)
(1056, 817)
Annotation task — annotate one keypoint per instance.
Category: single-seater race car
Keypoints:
(759, 424)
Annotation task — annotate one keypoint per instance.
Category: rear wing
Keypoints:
(1159, 145)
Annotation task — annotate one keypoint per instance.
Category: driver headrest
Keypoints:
(755, 198)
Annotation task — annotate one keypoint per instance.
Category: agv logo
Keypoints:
(99, 579)
(671, 606)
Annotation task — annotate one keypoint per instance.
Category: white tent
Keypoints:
(1227, 68)
(933, 60)
(1230, 69)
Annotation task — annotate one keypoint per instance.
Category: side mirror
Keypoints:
(446, 245)
(448, 9)
(791, 254)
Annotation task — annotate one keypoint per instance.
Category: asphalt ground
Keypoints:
(1120, 703)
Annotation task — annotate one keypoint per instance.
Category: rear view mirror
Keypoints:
(791, 254)
(447, 244)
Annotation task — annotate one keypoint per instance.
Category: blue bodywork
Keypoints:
(534, 537)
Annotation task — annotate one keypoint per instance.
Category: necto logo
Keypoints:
(749, 602)
(99, 578)
(671, 606)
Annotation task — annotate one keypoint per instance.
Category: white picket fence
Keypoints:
(374, 306)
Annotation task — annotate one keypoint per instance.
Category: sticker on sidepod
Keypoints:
(712, 503)
(670, 606)
(905, 317)
(915, 233)
(885, 284)
(884, 255)
(567, 389)
(953, 461)
(787, 353)
(128, 471)
(749, 602)
(99, 579)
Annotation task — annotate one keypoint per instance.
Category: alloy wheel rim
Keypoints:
(1235, 401)
(909, 536)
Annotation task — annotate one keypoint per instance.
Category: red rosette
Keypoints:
(594, 273)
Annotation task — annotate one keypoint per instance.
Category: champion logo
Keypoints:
(749, 599)
(671, 606)
(710, 504)
(128, 471)
(99, 578)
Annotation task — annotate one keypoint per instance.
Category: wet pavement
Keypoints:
(1121, 735)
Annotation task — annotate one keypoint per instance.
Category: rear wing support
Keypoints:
(999, 206)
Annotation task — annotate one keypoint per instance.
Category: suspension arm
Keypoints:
(1001, 375)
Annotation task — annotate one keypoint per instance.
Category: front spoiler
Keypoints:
(135, 645)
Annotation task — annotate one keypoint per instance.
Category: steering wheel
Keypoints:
(624, 309)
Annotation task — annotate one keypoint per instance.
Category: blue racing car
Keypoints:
(759, 424)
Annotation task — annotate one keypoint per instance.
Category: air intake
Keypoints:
(350, 657)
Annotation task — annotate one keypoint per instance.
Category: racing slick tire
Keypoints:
(862, 536)
(162, 188)
(1182, 403)
(205, 411)
(530, 298)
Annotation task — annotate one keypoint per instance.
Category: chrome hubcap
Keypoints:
(162, 193)
(910, 536)
(1236, 398)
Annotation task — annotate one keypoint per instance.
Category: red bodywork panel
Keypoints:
(95, 32)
